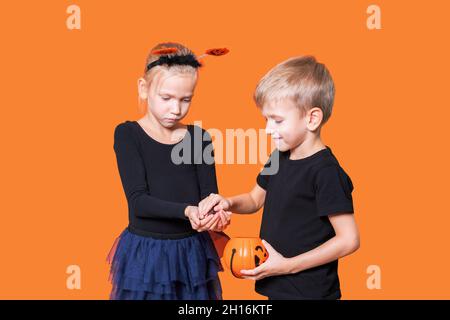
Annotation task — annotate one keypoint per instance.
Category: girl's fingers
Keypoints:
(223, 219)
(194, 225)
(222, 223)
(210, 223)
(206, 220)
(195, 218)
(214, 226)
(228, 216)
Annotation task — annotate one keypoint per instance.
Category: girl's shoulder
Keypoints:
(199, 130)
(126, 130)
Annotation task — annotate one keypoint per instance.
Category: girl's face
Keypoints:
(169, 96)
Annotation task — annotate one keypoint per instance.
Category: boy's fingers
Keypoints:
(204, 208)
(214, 201)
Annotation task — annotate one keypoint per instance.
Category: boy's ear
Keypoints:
(314, 118)
(142, 88)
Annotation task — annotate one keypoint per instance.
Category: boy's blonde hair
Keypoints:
(304, 80)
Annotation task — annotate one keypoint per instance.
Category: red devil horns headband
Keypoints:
(188, 59)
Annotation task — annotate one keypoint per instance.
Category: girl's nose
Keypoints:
(176, 108)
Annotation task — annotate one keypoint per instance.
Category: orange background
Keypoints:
(64, 91)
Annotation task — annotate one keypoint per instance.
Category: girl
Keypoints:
(166, 251)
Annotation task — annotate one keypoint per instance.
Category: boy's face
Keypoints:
(285, 123)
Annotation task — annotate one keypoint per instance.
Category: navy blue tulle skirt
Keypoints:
(146, 268)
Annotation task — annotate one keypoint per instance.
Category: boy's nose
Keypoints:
(269, 130)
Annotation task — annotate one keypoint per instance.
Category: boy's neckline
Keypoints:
(308, 158)
(159, 142)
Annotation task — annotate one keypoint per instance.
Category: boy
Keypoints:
(308, 221)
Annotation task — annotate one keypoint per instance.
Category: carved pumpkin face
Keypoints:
(244, 253)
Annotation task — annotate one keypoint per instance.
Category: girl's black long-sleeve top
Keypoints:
(161, 180)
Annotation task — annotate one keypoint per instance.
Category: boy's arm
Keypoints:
(248, 202)
(243, 203)
(345, 242)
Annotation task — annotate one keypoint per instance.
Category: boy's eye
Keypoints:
(278, 121)
(187, 100)
(165, 98)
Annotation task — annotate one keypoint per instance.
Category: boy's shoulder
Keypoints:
(326, 159)
(323, 163)
(328, 170)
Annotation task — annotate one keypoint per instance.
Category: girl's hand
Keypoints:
(209, 222)
(276, 264)
(198, 224)
(192, 213)
(225, 220)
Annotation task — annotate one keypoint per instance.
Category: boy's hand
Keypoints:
(213, 202)
(276, 264)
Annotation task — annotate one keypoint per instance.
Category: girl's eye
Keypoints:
(166, 98)
(187, 100)
(278, 121)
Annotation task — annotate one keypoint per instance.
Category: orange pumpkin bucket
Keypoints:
(244, 253)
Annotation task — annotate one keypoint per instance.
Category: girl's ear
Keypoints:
(142, 88)
(314, 118)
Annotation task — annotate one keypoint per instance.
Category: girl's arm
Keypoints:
(205, 167)
(133, 177)
(207, 178)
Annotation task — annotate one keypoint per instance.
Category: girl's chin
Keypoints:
(168, 123)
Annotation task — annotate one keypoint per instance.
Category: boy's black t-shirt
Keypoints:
(299, 198)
